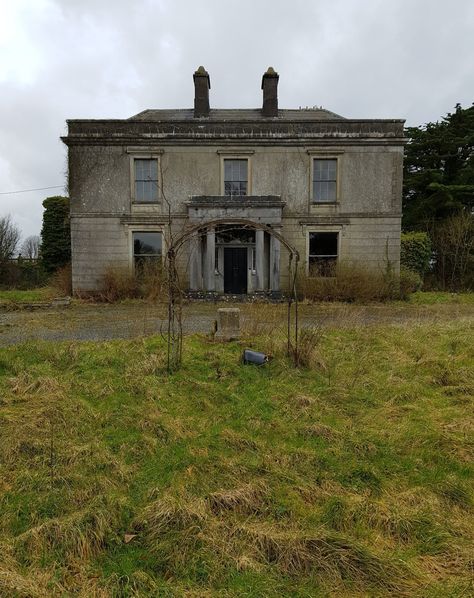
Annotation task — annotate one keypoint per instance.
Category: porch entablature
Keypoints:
(258, 208)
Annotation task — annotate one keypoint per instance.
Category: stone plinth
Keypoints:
(228, 324)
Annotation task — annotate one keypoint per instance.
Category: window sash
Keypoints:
(146, 180)
(325, 180)
(235, 177)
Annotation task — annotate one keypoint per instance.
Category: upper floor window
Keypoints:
(323, 251)
(235, 177)
(324, 180)
(146, 180)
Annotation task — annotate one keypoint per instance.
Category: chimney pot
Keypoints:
(202, 85)
(270, 92)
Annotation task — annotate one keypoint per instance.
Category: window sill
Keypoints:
(324, 203)
(146, 208)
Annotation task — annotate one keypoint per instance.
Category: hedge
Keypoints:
(416, 251)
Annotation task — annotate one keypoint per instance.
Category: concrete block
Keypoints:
(228, 324)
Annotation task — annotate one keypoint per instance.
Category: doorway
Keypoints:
(235, 270)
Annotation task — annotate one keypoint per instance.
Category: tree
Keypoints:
(55, 233)
(439, 170)
(439, 193)
(9, 238)
(30, 247)
(454, 249)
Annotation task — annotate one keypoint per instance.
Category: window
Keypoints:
(235, 177)
(322, 256)
(146, 180)
(324, 180)
(147, 251)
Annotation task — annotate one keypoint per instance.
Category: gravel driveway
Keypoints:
(103, 322)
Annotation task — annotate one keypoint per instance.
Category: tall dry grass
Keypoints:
(356, 284)
(119, 283)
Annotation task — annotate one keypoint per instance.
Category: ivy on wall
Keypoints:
(55, 234)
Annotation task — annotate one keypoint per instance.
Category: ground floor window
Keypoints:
(147, 251)
(323, 251)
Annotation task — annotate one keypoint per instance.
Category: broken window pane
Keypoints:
(323, 252)
(147, 251)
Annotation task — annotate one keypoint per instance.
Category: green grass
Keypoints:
(351, 477)
(437, 297)
(29, 296)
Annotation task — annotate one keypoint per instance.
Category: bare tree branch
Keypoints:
(9, 238)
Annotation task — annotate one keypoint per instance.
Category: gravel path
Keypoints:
(103, 322)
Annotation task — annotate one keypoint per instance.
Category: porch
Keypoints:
(236, 251)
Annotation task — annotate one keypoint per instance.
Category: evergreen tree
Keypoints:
(439, 194)
(439, 170)
(55, 233)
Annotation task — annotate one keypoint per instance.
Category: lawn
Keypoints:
(351, 477)
(29, 296)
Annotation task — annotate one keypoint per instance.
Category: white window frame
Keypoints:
(338, 232)
(235, 155)
(325, 155)
(137, 153)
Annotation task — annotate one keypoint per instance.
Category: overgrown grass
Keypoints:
(350, 477)
(29, 296)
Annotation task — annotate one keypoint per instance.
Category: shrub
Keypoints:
(22, 274)
(61, 281)
(453, 242)
(415, 251)
(118, 283)
(351, 284)
(355, 284)
(121, 283)
(151, 281)
(410, 282)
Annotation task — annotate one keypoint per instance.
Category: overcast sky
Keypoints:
(60, 59)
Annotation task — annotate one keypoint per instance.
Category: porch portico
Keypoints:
(232, 253)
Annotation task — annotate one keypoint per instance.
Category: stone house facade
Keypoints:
(330, 186)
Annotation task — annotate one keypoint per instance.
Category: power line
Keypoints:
(28, 190)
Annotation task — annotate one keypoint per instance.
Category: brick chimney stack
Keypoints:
(202, 85)
(270, 93)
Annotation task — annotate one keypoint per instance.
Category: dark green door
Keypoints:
(235, 270)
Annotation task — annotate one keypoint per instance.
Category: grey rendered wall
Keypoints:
(367, 215)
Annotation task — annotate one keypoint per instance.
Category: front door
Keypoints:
(235, 270)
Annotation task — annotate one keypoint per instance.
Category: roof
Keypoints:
(232, 115)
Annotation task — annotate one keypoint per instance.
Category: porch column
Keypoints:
(195, 263)
(259, 249)
(209, 275)
(274, 264)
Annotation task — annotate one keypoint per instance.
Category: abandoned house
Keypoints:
(330, 187)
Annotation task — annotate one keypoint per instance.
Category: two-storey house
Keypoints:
(330, 186)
